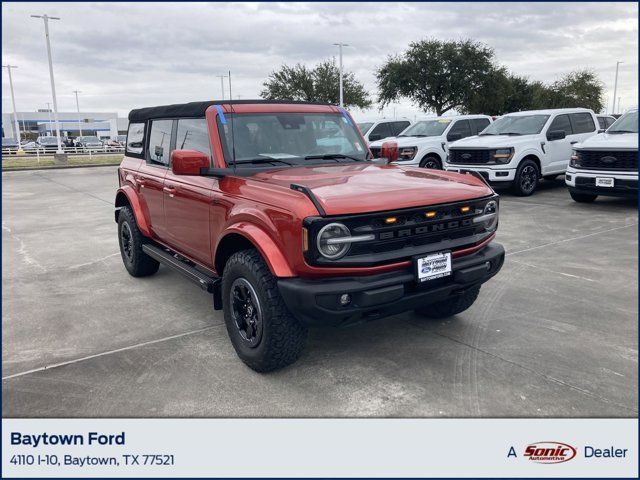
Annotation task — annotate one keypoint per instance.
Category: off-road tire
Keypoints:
(451, 306)
(138, 264)
(526, 179)
(431, 160)
(283, 337)
(582, 197)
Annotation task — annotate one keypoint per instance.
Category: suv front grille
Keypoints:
(411, 234)
(469, 157)
(609, 159)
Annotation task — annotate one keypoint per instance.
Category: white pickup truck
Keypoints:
(519, 148)
(424, 144)
(607, 163)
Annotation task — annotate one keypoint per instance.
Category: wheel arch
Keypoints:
(533, 157)
(432, 153)
(127, 197)
(244, 236)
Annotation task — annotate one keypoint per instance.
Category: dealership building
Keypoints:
(42, 123)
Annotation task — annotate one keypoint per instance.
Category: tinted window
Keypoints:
(383, 130)
(397, 127)
(160, 141)
(135, 138)
(561, 122)
(609, 121)
(461, 127)
(479, 124)
(582, 123)
(193, 134)
(602, 121)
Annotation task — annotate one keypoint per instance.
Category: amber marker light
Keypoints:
(465, 209)
(305, 239)
(430, 214)
(390, 220)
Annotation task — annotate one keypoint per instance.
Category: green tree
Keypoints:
(581, 88)
(320, 84)
(437, 76)
(503, 92)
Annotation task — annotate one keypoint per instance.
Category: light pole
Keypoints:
(46, 19)
(13, 101)
(78, 108)
(222, 77)
(49, 113)
(615, 87)
(340, 45)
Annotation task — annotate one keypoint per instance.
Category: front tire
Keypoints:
(430, 161)
(526, 180)
(582, 197)
(137, 263)
(451, 306)
(264, 334)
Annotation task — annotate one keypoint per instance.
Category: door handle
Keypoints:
(170, 190)
(573, 142)
(140, 182)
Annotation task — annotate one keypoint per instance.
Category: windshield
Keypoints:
(48, 140)
(290, 138)
(628, 123)
(90, 139)
(426, 128)
(364, 126)
(121, 138)
(517, 125)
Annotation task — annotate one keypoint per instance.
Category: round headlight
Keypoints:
(491, 213)
(326, 237)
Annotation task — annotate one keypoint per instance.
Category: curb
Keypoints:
(60, 167)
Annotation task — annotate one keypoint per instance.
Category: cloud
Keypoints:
(127, 55)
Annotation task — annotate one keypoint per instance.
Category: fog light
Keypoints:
(345, 299)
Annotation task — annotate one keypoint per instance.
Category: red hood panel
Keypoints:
(362, 188)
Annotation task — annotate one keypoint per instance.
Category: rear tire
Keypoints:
(264, 334)
(526, 180)
(451, 306)
(582, 197)
(431, 161)
(130, 238)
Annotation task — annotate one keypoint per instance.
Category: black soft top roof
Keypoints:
(197, 109)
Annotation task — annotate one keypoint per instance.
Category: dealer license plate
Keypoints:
(604, 182)
(433, 266)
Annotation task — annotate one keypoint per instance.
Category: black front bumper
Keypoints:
(376, 296)
(622, 187)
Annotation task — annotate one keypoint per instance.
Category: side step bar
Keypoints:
(208, 283)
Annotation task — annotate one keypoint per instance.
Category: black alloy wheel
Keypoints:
(246, 311)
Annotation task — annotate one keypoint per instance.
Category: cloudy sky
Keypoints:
(122, 56)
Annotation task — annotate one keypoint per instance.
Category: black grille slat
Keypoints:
(471, 157)
(626, 160)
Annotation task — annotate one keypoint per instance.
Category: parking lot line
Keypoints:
(108, 352)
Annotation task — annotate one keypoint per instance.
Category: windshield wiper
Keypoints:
(414, 135)
(511, 133)
(332, 156)
(261, 160)
(483, 134)
(622, 131)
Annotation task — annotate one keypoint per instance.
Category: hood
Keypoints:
(409, 141)
(608, 141)
(492, 141)
(365, 187)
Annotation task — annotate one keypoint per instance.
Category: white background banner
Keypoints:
(320, 447)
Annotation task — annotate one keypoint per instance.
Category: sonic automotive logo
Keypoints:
(550, 452)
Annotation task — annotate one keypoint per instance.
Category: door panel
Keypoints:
(149, 180)
(559, 151)
(187, 200)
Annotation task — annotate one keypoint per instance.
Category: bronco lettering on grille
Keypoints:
(437, 227)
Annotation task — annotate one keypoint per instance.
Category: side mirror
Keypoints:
(374, 137)
(602, 130)
(188, 162)
(389, 151)
(452, 137)
(556, 135)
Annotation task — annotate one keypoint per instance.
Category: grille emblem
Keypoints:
(466, 156)
(608, 159)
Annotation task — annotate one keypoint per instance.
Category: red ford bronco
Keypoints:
(278, 210)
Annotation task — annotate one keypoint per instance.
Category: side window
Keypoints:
(462, 128)
(582, 123)
(135, 138)
(193, 134)
(609, 121)
(381, 129)
(479, 124)
(561, 122)
(397, 127)
(602, 121)
(160, 142)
